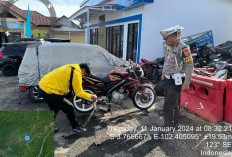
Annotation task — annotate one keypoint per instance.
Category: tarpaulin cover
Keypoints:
(53, 55)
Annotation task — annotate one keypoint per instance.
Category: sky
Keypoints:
(62, 7)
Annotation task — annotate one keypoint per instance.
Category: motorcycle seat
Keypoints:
(102, 79)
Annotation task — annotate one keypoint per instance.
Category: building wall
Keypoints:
(102, 36)
(113, 15)
(195, 15)
(41, 29)
(17, 19)
(75, 38)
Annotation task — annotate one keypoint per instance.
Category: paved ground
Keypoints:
(127, 132)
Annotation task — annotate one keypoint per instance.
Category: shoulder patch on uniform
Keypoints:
(188, 59)
(186, 51)
(186, 54)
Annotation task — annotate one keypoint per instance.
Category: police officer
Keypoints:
(177, 72)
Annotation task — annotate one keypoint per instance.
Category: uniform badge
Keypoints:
(186, 52)
(188, 59)
(171, 58)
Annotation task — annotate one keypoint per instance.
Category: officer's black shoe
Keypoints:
(79, 129)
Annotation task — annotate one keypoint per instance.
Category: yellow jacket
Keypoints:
(57, 81)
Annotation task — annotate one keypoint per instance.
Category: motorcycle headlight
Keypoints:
(139, 71)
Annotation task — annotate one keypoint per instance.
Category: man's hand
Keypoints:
(185, 87)
(162, 77)
(94, 97)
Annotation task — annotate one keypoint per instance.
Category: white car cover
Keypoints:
(53, 55)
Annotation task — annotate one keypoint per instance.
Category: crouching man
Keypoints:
(54, 85)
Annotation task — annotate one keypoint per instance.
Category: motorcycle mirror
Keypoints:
(212, 65)
(220, 65)
(124, 65)
(194, 54)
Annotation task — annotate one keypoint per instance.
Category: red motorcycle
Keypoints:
(116, 86)
(152, 69)
(152, 72)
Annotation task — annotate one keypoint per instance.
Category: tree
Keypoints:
(37, 34)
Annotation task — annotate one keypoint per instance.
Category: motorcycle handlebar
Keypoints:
(229, 65)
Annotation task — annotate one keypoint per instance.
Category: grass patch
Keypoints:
(14, 124)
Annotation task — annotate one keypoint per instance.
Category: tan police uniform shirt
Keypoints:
(180, 53)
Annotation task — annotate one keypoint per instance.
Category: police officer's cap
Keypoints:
(166, 32)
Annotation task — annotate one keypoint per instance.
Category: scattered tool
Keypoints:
(91, 115)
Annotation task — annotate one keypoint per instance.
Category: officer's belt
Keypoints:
(172, 76)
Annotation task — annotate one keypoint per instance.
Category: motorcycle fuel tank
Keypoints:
(116, 75)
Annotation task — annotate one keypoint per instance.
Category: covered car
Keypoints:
(41, 59)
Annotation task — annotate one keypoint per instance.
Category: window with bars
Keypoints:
(114, 40)
(132, 42)
(94, 36)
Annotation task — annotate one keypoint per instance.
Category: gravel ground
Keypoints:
(127, 132)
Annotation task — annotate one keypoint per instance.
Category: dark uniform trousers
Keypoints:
(56, 103)
(171, 110)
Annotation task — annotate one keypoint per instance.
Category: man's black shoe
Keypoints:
(56, 130)
(79, 129)
(104, 109)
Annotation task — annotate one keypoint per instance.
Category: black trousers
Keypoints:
(171, 110)
(56, 103)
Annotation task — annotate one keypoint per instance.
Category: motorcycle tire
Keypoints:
(159, 88)
(80, 104)
(144, 104)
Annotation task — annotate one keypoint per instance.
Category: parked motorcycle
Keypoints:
(202, 54)
(225, 49)
(116, 86)
(152, 72)
(223, 70)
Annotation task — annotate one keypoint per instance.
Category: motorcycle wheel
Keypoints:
(83, 105)
(144, 102)
(159, 88)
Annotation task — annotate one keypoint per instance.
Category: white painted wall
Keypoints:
(113, 15)
(124, 13)
(195, 15)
